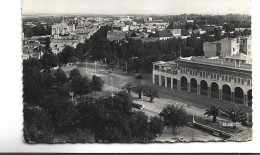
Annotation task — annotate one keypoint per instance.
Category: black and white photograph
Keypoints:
(136, 71)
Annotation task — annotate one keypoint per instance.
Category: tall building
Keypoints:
(62, 29)
(230, 46)
(213, 78)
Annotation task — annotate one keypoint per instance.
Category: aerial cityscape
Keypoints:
(136, 78)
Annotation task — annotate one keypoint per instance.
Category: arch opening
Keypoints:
(203, 88)
(214, 90)
(193, 85)
(249, 97)
(226, 91)
(184, 83)
(239, 95)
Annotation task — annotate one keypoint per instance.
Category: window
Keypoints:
(229, 79)
(238, 80)
(235, 80)
(248, 82)
(200, 74)
(211, 76)
(223, 77)
(242, 81)
(226, 78)
(203, 74)
(190, 72)
(218, 77)
(233, 49)
(215, 76)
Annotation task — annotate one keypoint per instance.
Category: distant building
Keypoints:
(61, 29)
(241, 29)
(83, 36)
(125, 28)
(209, 28)
(211, 49)
(175, 29)
(57, 45)
(115, 35)
(165, 34)
(239, 59)
(229, 46)
(245, 45)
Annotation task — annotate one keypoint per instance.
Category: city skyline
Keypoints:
(145, 7)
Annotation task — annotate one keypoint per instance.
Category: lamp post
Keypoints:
(112, 86)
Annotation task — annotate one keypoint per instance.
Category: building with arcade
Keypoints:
(215, 78)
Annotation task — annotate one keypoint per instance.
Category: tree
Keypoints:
(128, 86)
(81, 85)
(139, 89)
(66, 54)
(156, 125)
(124, 100)
(80, 136)
(49, 59)
(112, 62)
(97, 83)
(74, 73)
(32, 81)
(37, 125)
(152, 94)
(61, 111)
(174, 117)
(62, 92)
(60, 76)
(234, 114)
(49, 80)
(47, 44)
(137, 64)
(139, 126)
(213, 111)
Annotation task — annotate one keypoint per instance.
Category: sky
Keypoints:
(163, 7)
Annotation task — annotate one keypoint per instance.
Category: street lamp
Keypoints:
(112, 86)
(71, 94)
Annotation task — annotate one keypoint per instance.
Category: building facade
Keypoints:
(214, 78)
(230, 46)
(211, 49)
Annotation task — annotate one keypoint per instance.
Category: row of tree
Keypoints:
(141, 89)
(234, 114)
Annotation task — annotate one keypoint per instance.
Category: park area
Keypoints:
(194, 105)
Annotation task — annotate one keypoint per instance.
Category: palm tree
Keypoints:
(213, 111)
(235, 114)
(152, 94)
(139, 89)
(128, 86)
